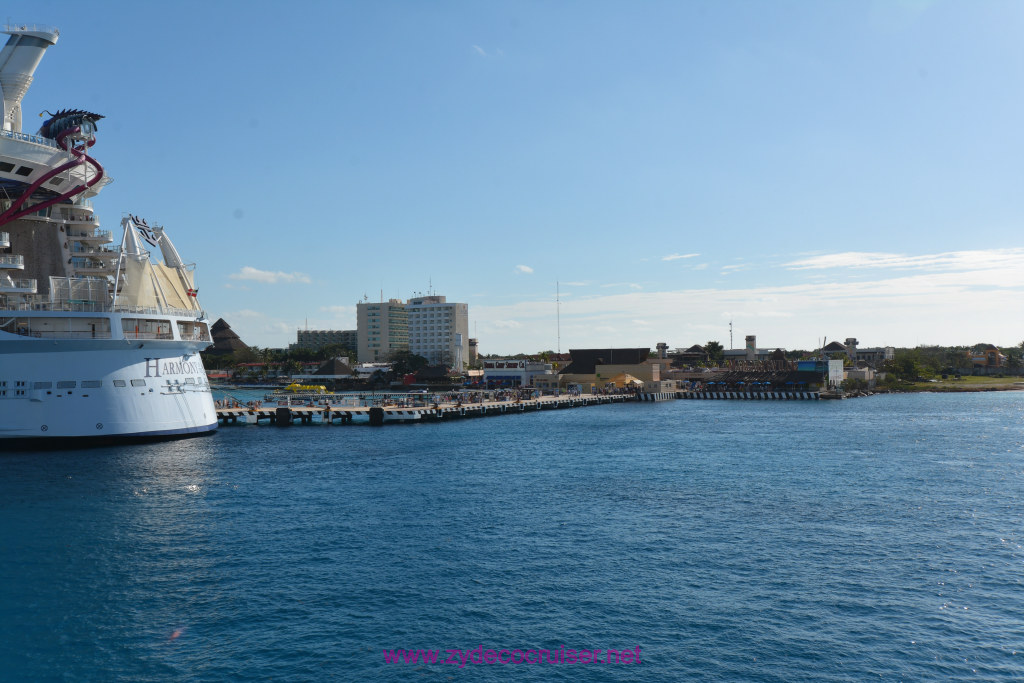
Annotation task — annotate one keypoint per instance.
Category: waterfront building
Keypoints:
(516, 373)
(873, 356)
(439, 330)
(382, 330)
(987, 356)
(332, 370)
(368, 370)
(315, 340)
(745, 354)
(225, 340)
(597, 369)
(695, 355)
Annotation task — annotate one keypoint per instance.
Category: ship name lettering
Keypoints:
(155, 369)
(180, 368)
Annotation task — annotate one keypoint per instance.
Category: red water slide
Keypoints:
(81, 159)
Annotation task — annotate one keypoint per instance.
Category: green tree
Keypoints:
(1015, 358)
(334, 351)
(407, 363)
(911, 364)
(715, 351)
(291, 367)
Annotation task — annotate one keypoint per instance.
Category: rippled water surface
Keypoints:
(877, 538)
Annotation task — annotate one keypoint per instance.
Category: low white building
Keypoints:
(515, 373)
(366, 370)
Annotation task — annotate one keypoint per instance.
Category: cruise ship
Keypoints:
(97, 342)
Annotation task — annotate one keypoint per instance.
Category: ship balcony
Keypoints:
(15, 262)
(5, 240)
(18, 286)
(101, 236)
(79, 219)
(86, 249)
(91, 265)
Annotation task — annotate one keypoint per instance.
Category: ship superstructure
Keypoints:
(95, 340)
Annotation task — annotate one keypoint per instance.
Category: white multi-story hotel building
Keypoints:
(428, 326)
(439, 330)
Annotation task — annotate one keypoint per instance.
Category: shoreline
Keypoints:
(939, 389)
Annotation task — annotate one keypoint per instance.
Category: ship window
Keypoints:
(138, 382)
(6, 167)
(43, 385)
(3, 383)
(56, 181)
(140, 328)
(189, 380)
(66, 385)
(23, 171)
(119, 383)
(91, 384)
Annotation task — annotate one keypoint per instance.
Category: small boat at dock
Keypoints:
(300, 392)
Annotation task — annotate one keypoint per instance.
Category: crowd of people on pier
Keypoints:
(233, 403)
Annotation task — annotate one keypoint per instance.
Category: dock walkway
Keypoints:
(379, 415)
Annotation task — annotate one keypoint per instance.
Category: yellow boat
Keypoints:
(296, 388)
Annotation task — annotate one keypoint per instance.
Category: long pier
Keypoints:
(380, 415)
(434, 412)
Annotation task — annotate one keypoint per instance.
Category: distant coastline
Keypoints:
(961, 386)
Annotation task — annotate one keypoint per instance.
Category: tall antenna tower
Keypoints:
(558, 315)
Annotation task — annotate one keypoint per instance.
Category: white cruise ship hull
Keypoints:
(101, 389)
(96, 344)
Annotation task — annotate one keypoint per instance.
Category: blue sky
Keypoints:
(804, 169)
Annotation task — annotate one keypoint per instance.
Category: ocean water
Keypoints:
(871, 539)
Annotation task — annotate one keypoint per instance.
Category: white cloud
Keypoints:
(281, 328)
(900, 310)
(574, 284)
(245, 313)
(339, 310)
(268, 277)
(673, 257)
(506, 324)
(953, 260)
(524, 269)
(631, 285)
(479, 50)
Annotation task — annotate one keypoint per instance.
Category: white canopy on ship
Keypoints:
(145, 283)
